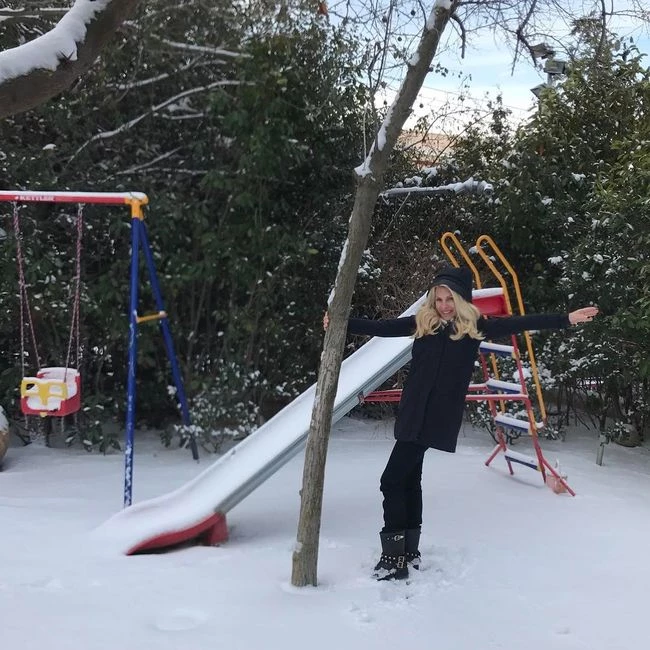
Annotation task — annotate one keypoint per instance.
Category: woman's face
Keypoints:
(444, 301)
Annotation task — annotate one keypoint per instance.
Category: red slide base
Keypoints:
(209, 532)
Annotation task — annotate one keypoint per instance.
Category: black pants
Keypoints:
(401, 485)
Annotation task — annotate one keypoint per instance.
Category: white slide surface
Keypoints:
(238, 472)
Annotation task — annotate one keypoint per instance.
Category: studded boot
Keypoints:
(411, 547)
(392, 563)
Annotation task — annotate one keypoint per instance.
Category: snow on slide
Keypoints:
(198, 508)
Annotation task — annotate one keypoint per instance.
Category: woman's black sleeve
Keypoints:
(494, 328)
(391, 327)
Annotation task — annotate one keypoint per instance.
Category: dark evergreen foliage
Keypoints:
(243, 131)
(243, 125)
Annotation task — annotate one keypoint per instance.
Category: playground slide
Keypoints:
(198, 508)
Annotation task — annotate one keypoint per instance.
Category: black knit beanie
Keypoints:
(457, 279)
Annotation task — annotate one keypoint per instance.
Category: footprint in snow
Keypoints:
(46, 584)
(360, 614)
(181, 620)
(444, 567)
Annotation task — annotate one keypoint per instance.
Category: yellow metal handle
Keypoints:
(146, 319)
(451, 237)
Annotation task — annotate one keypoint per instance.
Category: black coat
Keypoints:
(433, 399)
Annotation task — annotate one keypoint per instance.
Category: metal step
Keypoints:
(510, 422)
(497, 348)
(499, 386)
(522, 459)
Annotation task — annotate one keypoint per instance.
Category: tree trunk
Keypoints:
(305, 556)
(370, 176)
(19, 94)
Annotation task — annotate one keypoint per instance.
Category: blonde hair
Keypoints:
(428, 321)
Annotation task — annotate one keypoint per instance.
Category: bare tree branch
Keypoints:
(156, 160)
(104, 135)
(521, 35)
(463, 34)
(603, 28)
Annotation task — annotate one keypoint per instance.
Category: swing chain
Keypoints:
(75, 325)
(23, 294)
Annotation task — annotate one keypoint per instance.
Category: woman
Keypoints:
(447, 331)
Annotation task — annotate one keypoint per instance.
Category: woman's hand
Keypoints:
(584, 315)
(326, 320)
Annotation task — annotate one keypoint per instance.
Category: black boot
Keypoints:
(411, 547)
(392, 563)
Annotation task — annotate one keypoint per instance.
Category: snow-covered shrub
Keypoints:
(223, 410)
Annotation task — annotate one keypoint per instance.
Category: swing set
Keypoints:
(56, 391)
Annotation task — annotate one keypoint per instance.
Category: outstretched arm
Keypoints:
(498, 327)
(390, 327)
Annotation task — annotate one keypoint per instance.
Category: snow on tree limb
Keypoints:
(150, 163)
(49, 50)
(470, 186)
(191, 47)
(40, 69)
(445, 5)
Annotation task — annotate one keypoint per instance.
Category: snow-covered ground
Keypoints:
(506, 563)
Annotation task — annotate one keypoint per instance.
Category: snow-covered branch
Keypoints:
(49, 50)
(186, 116)
(40, 69)
(198, 62)
(157, 159)
(174, 170)
(470, 186)
(152, 80)
(190, 47)
(27, 12)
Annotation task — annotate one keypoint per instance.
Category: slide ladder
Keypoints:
(496, 302)
(494, 390)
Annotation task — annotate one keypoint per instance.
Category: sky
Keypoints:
(488, 64)
(487, 69)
